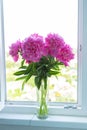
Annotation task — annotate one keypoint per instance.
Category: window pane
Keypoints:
(25, 17)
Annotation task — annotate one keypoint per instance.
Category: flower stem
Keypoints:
(43, 110)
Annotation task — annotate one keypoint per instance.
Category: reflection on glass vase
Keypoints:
(42, 108)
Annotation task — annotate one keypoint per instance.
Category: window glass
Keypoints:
(25, 17)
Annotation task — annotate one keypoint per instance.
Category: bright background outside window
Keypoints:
(25, 17)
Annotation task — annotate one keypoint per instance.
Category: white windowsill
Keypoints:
(51, 121)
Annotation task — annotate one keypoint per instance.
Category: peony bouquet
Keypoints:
(40, 57)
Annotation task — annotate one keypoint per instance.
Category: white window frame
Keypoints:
(79, 109)
(2, 52)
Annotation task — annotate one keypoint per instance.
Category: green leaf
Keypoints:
(22, 63)
(40, 67)
(23, 67)
(21, 78)
(19, 72)
(45, 83)
(26, 79)
(23, 84)
(53, 72)
(38, 82)
(29, 69)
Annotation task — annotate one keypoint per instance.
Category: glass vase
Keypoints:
(42, 109)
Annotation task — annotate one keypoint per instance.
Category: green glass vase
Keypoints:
(42, 108)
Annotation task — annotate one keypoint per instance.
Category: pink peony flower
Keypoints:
(32, 48)
(54, 43)
(15, 48)
(65, 54)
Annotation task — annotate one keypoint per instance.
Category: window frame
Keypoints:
(72, 109)
(2, 54)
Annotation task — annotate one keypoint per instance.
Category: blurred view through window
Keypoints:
(25, 17)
